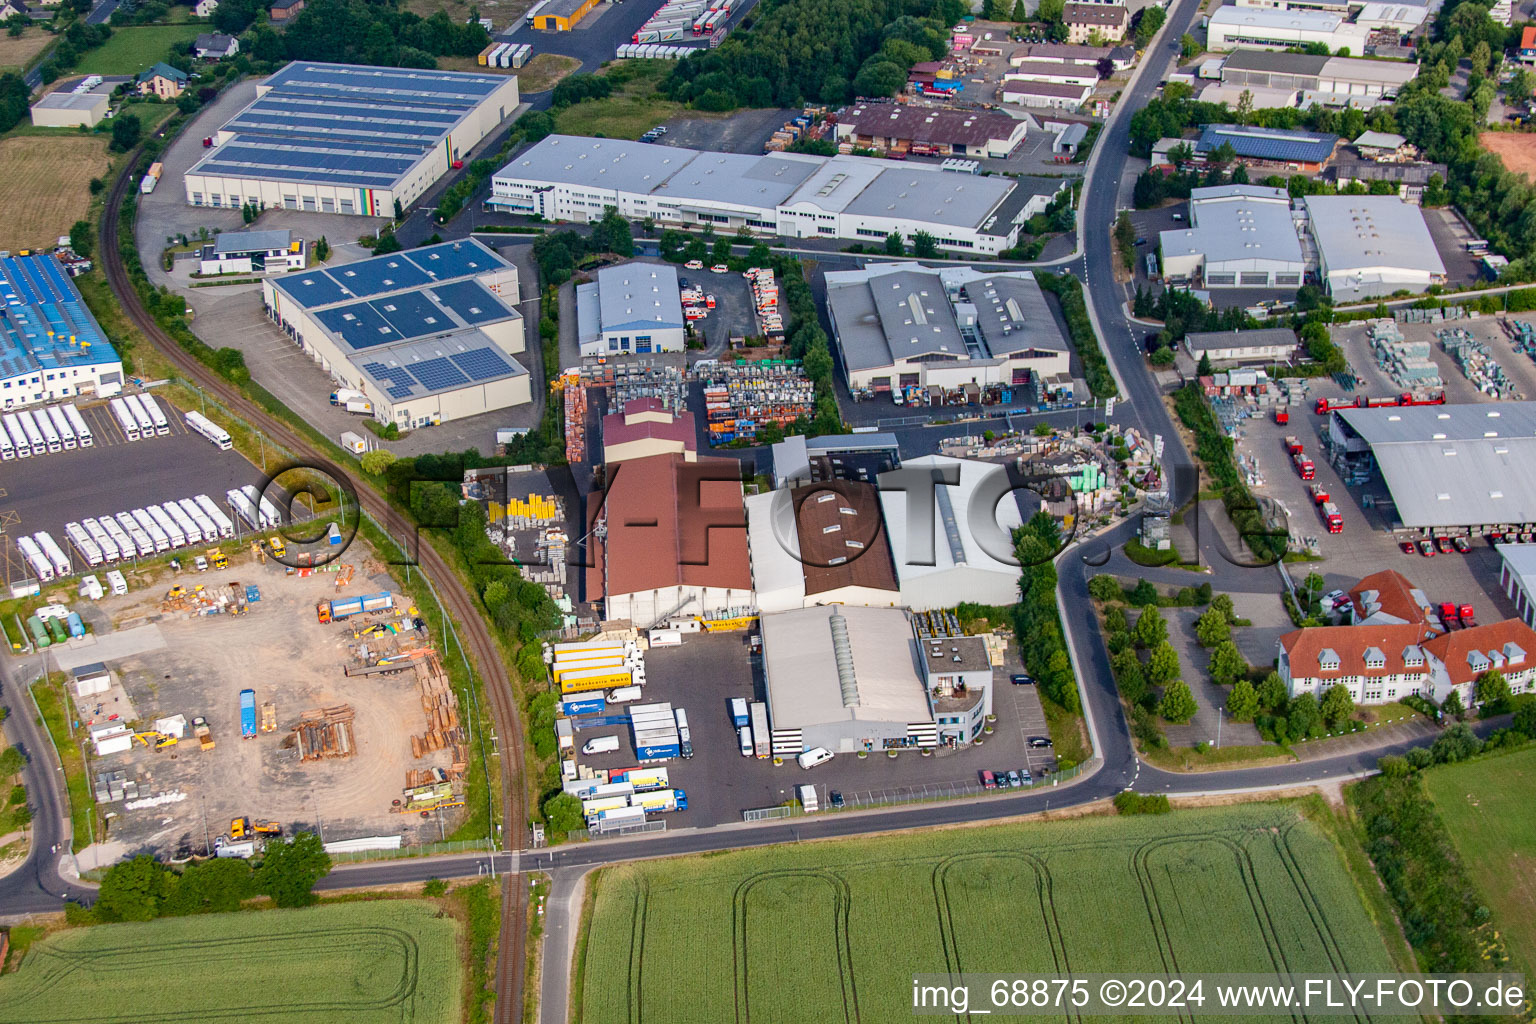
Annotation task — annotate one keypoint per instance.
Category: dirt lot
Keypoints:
(1516, 149)
(43, 186)
(282, 652)
(543, 72)
(16, 51)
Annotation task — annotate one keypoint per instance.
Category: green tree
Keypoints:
(1223, 603)
(1020, 12)
(133, 890)
(1212, 628)
(289, 871)
(924, 245)
(1525, 718)
(1434, 191)
(1227, 663)
(1243, 701)
(216, 886)
(82, 238)
(1518, 89)
(1271, 691)
(126, 130)
(1162, 664)
(1114, 621)
(1148, 24)
(1129, 676)
(11, 762)
(1337, 705)
(1104, 588)
(1151, 629)
(562, 813)
(893, 244)
(1051, 11)
(1178, 704)
(1452, 705)
(1204, 369)
(1143, 594)
(322, 250)
(1493, 692)
(1305, 718)
(1189, 46)
(1043, 430)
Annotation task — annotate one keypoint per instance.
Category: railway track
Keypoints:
(458, 601)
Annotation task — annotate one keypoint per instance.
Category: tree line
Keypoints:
(351, 32)
(801, 52)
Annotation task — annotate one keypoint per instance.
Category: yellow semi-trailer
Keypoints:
(562, 670)
(595, 679)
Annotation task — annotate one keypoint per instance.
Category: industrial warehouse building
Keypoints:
(861, 457)
(253, 252)
(845, 678)
(899, 128)
(1044, 95)
(1517, 577)
(50, 345)
(71, 109)
(1280, 79)
(668, 537)
(1269, 149)
(428, 335)
(959, 546)
(1451, 469)
(899, 326)
(1263, 28)
(820, 543)
(794, 195)
(1266, 345)
(631, 309)
(646, 427)
(1370, 246)
(343, 138)
(1239, 236)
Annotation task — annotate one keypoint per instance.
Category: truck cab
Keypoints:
(277, 547)
(239, 828)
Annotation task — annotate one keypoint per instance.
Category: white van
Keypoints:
(625, 694)
(600, 745)
(682, 718)
(808, 799)
(744, 734)
(117, 582)
(813, 757)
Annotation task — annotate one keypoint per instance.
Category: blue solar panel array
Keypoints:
(400, 383)
(396, 271)
(345, 124)
(1280, 144)
(471, 301)
(438, 374)
(43, 322)
(482, 364)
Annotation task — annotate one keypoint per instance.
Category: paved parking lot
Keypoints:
(708, 669)
(114, 475)
(1366, 545)
(1451, 238)
(744, 131)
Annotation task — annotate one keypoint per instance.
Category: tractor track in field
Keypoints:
(456, 598)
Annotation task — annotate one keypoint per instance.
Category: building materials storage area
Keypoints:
(428, 335)
(342, 138)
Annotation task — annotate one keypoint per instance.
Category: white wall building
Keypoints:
(633, 308)
(1371, 246)
(1239, 236)
(1269, 29)
(956, 545)
(904, 325)
(429, 335)
(51, 346)
(570, 178)
(344, 138)
(254, 252)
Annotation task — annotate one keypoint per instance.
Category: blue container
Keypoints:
(76, 626)
(252, 593)
(247, 713)
(584, 706)
(660, 752)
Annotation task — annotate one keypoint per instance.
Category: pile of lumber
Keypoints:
(440, 705)
(326, 732)
(415, 777)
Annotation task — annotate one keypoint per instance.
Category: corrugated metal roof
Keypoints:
(1282, 144)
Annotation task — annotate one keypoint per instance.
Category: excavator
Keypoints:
(158, 740)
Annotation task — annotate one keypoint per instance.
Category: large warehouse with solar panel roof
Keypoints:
(428, 335)
(50, 345)
(343, 138)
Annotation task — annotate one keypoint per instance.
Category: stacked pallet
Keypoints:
(326, 732)
(440, 705)
(415, 777)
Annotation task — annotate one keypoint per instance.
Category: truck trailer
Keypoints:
(586, 680)
(761, 740)
(247, 714)
(345, 608)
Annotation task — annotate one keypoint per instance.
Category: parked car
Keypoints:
(988, 780)
(1407, 547)
(1039, 742)
(1021, 680)
(813, 757)
(835, 798)
(1014, 782)
(1426, 549)
(1462, 544)
(1443, 545)
(719, 268)
(1025, 777)
(694, 264)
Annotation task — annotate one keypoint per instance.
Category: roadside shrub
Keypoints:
(1131, 802)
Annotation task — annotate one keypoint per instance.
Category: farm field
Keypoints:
(394, 961)
(835, 931)
(1517, 149)
(131, 50)
(17, 51)
(44, 185)
(1486, 806)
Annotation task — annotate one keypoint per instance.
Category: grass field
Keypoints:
(1486, 806)
(391, 961)
(131, 50)
(44, 186)
(835, 931)
(17, 52)
(1517, 149)
(633, 109)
